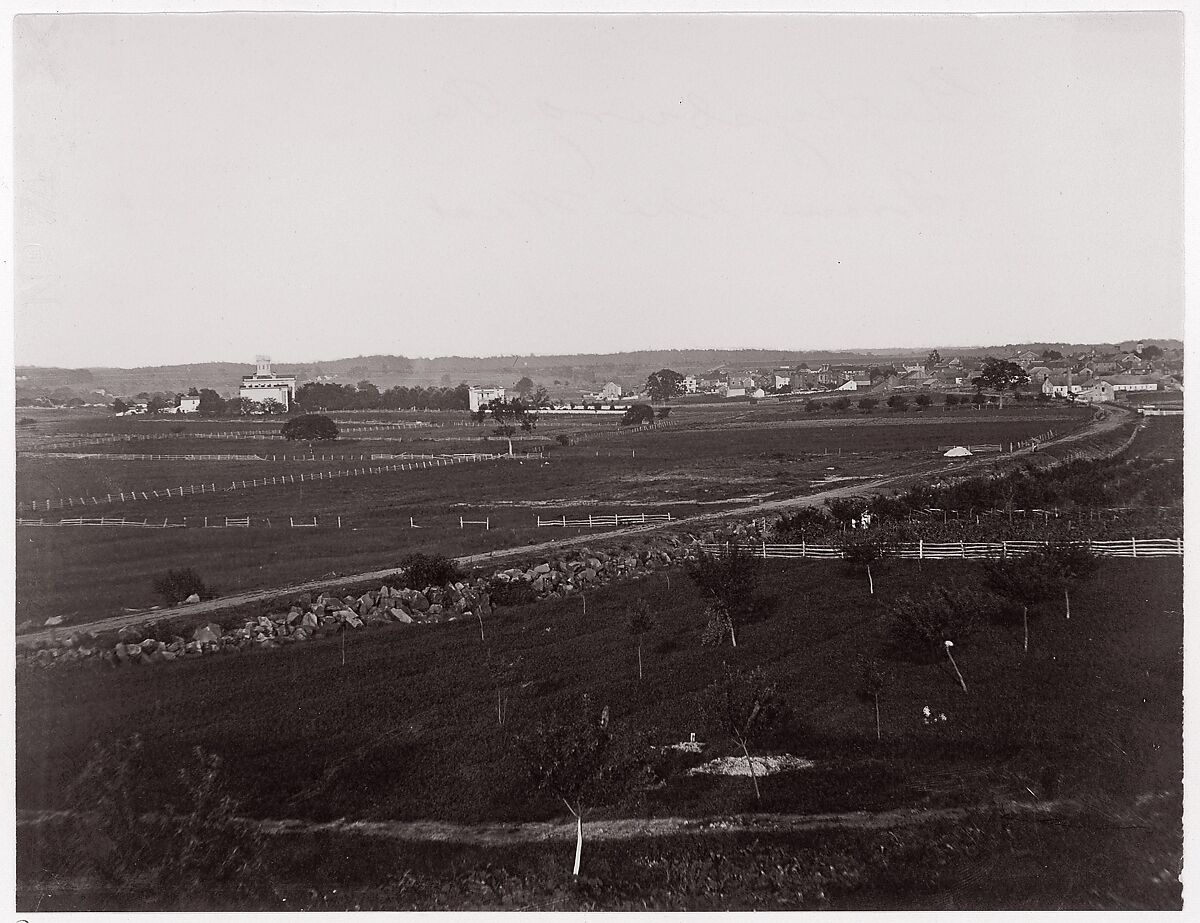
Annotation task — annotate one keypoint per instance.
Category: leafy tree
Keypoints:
(978, 399)
(211, 403)
(366, 396)
(119, 406)
(1151, 352)
(918, 626)
(898, 402)
(156, 404)
(1026, 581)
(639, 620)
(242, 406)
(664, 412)
(840, 403)
(1075, 563)
(510, 415)
(807, 520)
(743, 706)
(951, 400)
(863, 552)
(934, 358)
(524, 387)
(575, 757)
(867, 404)
(730, 581)
(811, 406)
(1051, 355)
(923, 400)
(638, 413)
(272, 407)
(1000, 375)
(845, 509)
(177, 585)
(310, 426)
(664, 385)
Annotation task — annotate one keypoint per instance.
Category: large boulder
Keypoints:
(420, 602)
(207, 634)
(194, 598)
(400, 615)
(55, 620)
(309, 621)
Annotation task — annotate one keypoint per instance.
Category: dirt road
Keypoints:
(703, 521)
(501, 834)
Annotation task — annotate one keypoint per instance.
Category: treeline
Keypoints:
(366, 396)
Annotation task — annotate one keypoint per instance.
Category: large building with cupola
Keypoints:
(265, 385)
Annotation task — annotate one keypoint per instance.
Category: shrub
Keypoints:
(664, 412)
(562, 439)
(951, 400)
(511, 592)
(310, 426)
(811, 406)
(867, 404)
(177, 585)
(841, 403)
(897, 402)
(425, 570)
(804, 521)
(1045, 398)
(193, 848)
(923, 400)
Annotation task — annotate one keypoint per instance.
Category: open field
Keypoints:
(84, 573)
(407, 730)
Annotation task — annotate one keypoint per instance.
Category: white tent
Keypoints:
(959, 451)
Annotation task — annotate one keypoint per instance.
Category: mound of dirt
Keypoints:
(763, 765)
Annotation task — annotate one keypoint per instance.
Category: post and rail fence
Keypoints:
(940, 551)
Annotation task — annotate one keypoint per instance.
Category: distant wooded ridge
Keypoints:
(578, 370)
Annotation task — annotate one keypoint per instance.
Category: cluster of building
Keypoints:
(1087, 376)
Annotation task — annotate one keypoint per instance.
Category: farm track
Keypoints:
(511, 833)
(1111, 421)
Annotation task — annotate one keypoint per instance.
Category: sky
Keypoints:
(196, 188)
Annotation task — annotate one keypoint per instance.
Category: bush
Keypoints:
(664, 412)
(897, 402)
(310, 426)
(511, 592)
(811, 406)
(177, 585)
(951, 400)
(194, 849)
(867, 404)
(562, 439)
(426, 570)
(923, 400)
(841, 403)
(638, 413)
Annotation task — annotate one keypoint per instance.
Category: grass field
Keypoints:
(407, 729)
(84, 572)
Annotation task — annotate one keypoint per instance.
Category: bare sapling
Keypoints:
(962, 682)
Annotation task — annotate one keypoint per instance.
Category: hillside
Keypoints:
(576, 370)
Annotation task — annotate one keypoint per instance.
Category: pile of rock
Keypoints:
(328, 614)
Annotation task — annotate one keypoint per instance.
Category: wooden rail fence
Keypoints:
(126, 496)
(935, 551)
(605, 520)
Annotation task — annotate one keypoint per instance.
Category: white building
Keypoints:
(478, 397)
(690, 384)
(264, 385)
(188, 405)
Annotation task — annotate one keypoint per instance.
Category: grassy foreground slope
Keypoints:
(407, 729)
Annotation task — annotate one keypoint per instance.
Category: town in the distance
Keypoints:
(609, 384)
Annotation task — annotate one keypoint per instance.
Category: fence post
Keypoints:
(487, 523)
(339, 521)
(803, 548)
(1134, 541)
(962, 549)
(920, 549)
(1003, 550)
(460, 522)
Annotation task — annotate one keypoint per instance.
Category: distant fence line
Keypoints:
(226, 522)
(934, 551)
(128, 496)
(374, 456)
(584, 438)
(611, 519)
